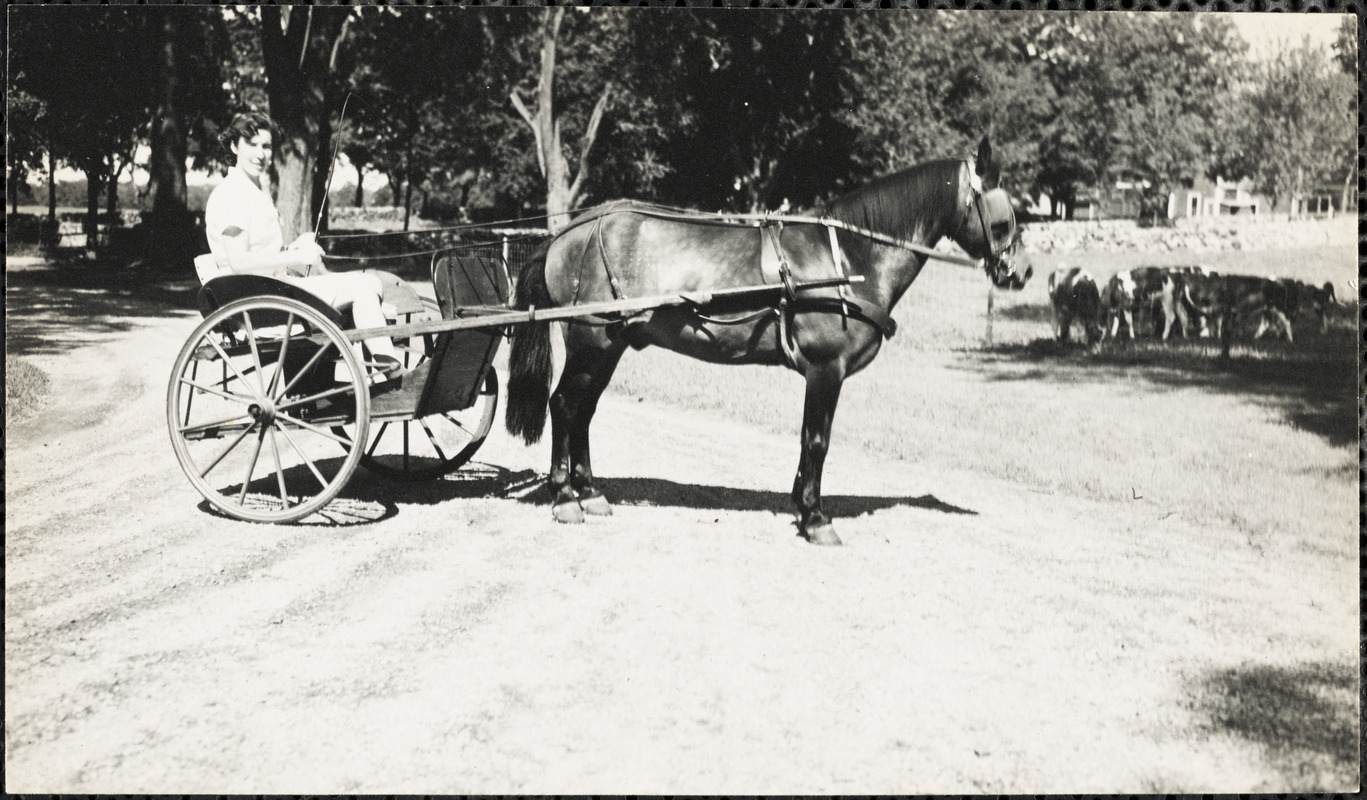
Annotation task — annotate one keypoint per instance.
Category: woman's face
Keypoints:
(254, 154)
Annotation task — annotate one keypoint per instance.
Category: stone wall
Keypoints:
(1226, 233)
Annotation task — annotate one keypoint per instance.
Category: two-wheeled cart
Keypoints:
(273, 404)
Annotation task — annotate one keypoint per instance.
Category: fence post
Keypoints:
(991, 296)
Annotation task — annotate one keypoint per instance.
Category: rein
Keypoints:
(745, 220)
(685, 215)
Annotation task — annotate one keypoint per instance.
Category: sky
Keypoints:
(1266, 33)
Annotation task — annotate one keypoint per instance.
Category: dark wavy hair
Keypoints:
(244, 126)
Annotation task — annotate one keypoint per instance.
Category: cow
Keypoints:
(1118, 302)
(1074, 295)
(1294, 298)
(1227, 298)
(1157, 293)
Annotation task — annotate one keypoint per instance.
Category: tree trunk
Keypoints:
(93, 184)
(360, 186)
(111, 192)
(299, 45)
(561, 195)
(53, 236)
(171, 234)
(408, 182)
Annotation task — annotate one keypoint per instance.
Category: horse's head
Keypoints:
(988, 228)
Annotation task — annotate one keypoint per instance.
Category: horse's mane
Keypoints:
(899, 204)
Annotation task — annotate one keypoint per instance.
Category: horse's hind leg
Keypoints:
(823, 392)
(582, 382)
(591, 499)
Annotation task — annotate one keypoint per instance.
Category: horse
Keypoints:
(879, 236)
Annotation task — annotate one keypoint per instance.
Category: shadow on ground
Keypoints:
(1312, 382)
(527, 486)
(1305, 717)
(68, 302)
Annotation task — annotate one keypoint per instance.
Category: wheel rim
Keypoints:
(435, 445)
(255, 415)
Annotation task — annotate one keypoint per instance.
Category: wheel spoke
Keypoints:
(376, 443)
(280, 360)
(221, 393)
(322, 482)
(231, 446)
(302, 400)
(209, 426)
(432, 439)
(228, 363)
(457, 423)
(303, 371)
(256, 355)
(256, 454)
(190, 398)
(299, 423)
(279, 472)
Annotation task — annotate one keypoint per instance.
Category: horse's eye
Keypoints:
(1000, 229)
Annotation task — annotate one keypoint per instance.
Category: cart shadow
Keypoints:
(479, 480)
(348, 509)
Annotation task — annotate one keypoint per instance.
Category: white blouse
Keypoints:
(239, 203)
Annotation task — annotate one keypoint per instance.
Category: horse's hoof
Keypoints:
(596, 505)
(568, 512)
(823, 534)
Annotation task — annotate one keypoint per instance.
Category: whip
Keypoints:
(332, 166)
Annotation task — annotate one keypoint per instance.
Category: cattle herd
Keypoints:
(1192, 301)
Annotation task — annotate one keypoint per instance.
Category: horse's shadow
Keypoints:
(478, 480)
(369, 497)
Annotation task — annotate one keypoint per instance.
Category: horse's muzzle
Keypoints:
(1005, 276)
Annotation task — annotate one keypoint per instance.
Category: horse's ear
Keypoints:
(987, 169)
(983, 162)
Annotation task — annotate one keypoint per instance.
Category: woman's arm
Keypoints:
(299, 259)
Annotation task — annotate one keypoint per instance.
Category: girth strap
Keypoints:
(863, 310)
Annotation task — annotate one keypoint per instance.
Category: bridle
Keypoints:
(998, 269)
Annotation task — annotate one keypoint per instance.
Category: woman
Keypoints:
(244, 235)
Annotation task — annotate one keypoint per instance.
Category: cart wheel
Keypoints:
(257, 397)
(435, 445)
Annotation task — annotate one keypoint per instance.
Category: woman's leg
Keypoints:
(360, 293)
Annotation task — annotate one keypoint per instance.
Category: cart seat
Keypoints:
(224, 289)
(398, 298)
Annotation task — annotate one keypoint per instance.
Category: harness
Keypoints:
(774, 266)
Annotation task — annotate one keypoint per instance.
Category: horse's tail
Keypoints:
(529, 361)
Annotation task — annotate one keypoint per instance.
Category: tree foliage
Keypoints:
(708, 108)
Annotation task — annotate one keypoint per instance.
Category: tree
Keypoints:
(419, 98)
(24, 143)
(300, 46)
(562, 191)
(61, 57)
(1301, 125)
(186, 76)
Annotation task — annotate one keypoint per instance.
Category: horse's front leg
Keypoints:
(823, 392)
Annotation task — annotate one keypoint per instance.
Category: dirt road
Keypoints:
(971, 636)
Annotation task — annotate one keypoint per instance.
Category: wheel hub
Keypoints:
(263, 412)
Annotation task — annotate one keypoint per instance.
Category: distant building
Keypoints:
(1218, 198)
(1197, 198)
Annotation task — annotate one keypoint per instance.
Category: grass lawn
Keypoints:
(1267, 443)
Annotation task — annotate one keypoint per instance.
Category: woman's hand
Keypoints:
(307, 245)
